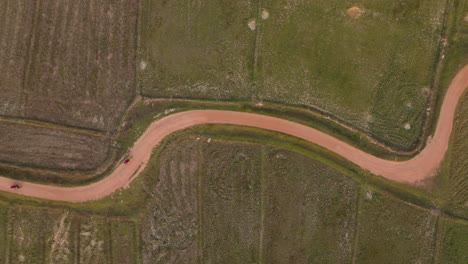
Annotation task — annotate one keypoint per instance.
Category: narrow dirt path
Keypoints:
(422, 166)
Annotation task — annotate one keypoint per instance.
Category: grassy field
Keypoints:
(61, 236)
(390, 231)
(369, 71)
(309, 211)
(454, 245)
(124, 242)
(3, 232)
(452, 181)
(197, 49)
(34, 236)
(231, 194)
(457, 39)
(68, 62)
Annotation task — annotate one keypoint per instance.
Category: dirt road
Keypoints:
(418, 168)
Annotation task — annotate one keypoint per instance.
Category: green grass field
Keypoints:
(197, 49)
(452, 181)
(309, 211)
(390, 231)
(368, 71)
(454, 245)
(124, 242)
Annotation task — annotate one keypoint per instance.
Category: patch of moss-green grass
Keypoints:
(454, 241)
(392, 231)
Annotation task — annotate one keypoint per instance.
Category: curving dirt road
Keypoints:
(418, 168)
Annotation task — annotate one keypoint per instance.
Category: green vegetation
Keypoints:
(3, 233)
(230, 194)
(368, 71)
(390, 231)
(94, 240)
(124, 242)
(310, 209)
(32, 234)
(456, 39)
(196, 49)
(454, 248)
(452, 183)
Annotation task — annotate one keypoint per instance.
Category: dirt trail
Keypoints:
(418, 168)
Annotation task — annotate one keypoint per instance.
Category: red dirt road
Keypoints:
(418, 168)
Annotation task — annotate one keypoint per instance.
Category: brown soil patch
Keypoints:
(355, 12)
(426, 92)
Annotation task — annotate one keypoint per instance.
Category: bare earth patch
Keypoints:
(252, 24)
(426, 91)
(355, 12)
(265, 14)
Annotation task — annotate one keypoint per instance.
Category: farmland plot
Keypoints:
(170, 226)
(453, 241)
(197, 49)
(41, 147)
(390, 230)
(38, 235)
(3, 232)
(82, 69)
(231, 194)
(457, 159)
(309, 211)
(369, 70)
(68, 62)
(93, 241)
(124, 242)
(15, 34)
